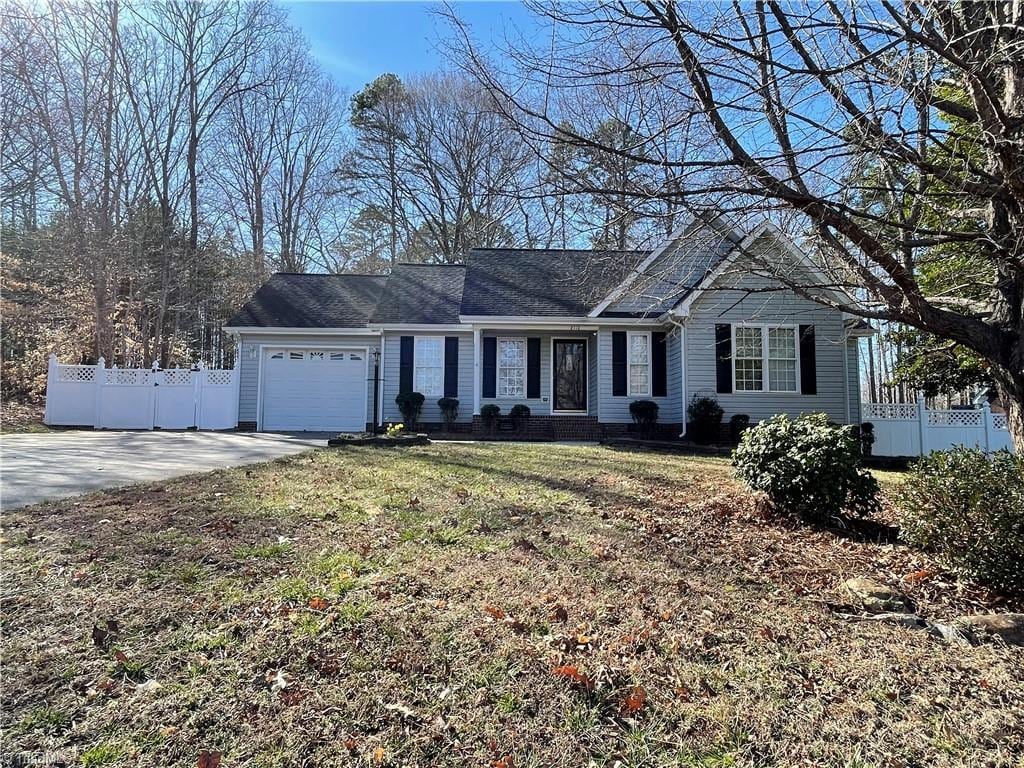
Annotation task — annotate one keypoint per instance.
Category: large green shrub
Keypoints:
(968, 509)
(410, 404)
(704, 419)
(807, 467)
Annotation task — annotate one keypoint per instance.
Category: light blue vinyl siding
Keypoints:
(615, 409)
(736, 305)
(431, 413)
(249, 365)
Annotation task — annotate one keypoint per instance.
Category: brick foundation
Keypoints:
(565, 428)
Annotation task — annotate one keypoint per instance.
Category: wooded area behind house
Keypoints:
(160, 160)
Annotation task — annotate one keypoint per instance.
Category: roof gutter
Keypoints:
(535, 321)
(289, 331)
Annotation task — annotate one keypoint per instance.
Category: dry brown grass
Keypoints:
(21, 417)
(477, 605)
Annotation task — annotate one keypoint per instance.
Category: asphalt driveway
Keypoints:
(54, 465)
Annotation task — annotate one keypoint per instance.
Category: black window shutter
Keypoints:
(451, 366)
(723, 358)
(490, 366)
(533, 367)
(808, 365)
(619, 363)
(405, 364)
(659, 365)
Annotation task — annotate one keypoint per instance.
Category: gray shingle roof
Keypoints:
(680, 268)
(547, 283)
(292, 300)
(421, 293)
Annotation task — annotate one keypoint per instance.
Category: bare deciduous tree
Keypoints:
(890, 136)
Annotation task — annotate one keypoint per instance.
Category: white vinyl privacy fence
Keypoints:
(910, 429)
(140, 398)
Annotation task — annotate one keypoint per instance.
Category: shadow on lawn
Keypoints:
(583, 487)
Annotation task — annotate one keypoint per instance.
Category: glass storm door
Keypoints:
(570, 368)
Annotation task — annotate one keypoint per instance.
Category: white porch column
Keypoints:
(477, 374)
(380, 384)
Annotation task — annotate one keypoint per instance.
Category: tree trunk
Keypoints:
(1011, 395)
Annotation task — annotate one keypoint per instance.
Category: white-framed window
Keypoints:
(748, 356)
(765, 358)
(428, 361)
(511, 374)
(639, 364)
(295, 355)
(782, 359)
(316, 354)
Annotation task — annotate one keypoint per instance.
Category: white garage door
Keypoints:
(320, 390)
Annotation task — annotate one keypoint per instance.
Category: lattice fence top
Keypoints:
(218, 378)
(76, 373)
(999, 421)
(174, 377)
(898, 411)
(128, 376)
(955, 418)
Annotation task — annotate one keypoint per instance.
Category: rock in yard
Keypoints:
(1009, 627)
(875, 597)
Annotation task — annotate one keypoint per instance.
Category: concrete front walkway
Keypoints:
(54, 465)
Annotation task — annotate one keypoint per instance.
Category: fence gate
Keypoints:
(140, 398)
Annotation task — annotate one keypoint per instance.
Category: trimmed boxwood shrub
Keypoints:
(449, 410)
(704, 419)
(807, 467)
(968, 510)
(519, 413)
(489, 415)
(645, 415)
(411, 406)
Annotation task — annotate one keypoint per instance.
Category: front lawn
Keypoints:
(481, 605)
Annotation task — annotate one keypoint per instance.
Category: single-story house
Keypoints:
(575, 335)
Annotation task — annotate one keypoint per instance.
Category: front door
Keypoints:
(570, 371)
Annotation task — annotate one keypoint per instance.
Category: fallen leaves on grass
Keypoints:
(503, 762)
(209, 759)
(634, 701)
(101, 636)
(318, 604)
(278, 681)
(572, 672)
(497, 613)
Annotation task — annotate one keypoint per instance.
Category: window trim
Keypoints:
(630, 392)
(765, 327)
(497, 367)
(415, 363)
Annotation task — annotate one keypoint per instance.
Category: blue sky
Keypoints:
(356, 41)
